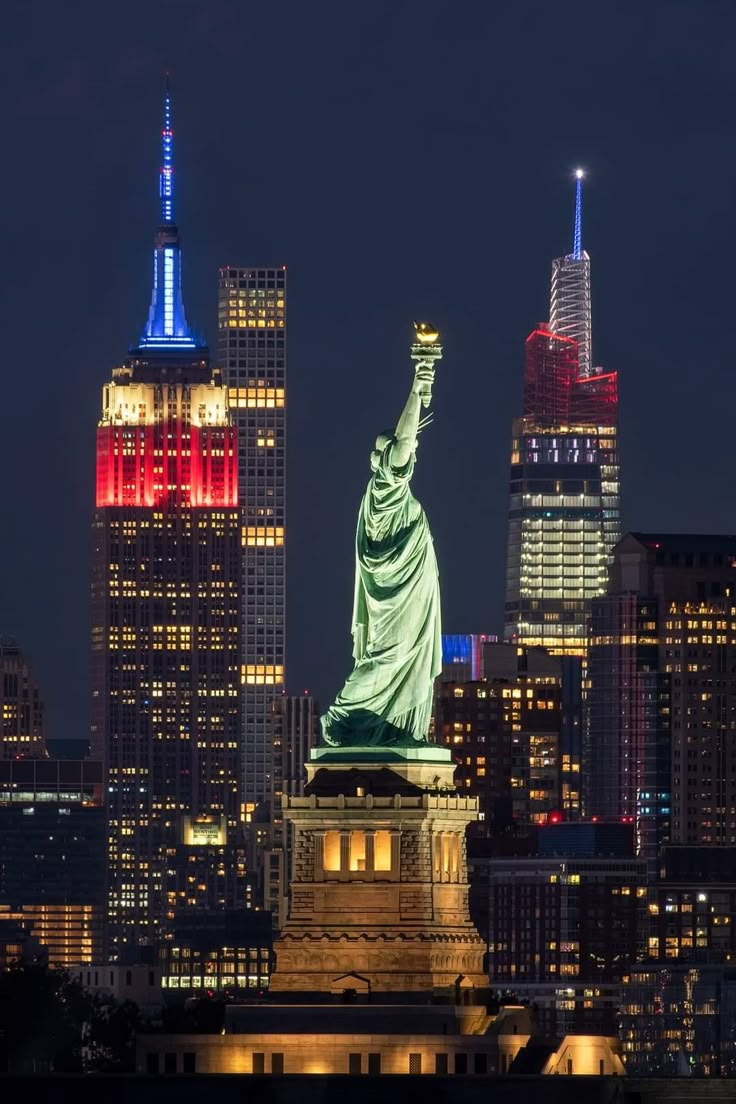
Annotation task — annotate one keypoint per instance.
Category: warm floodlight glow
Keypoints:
(426, 333)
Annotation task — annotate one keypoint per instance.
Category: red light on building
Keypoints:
(555, 392)
(594, 400)
(554, 818)
(550, 369)
(152, 465)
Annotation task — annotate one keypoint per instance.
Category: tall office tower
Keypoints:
(570, 312)
(252, 353)
(165, 635)
(564, 511)
(564, 508)
(21, 705)
(662, 692)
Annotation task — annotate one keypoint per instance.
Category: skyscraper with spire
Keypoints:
(165, 626)
(564, 511)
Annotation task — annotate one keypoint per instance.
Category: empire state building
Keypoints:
(165, 631)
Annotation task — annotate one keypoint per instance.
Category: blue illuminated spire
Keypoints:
(569, 307)
(167, 327)
(577, 234)
(166, 180)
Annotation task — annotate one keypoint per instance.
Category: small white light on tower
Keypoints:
(579, 174)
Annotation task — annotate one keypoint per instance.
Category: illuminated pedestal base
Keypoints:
(379, 887)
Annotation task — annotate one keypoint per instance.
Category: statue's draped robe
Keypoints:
(387, 700)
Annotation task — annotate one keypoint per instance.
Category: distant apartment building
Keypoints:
(564, 922)
(504, 738)
(661, 695)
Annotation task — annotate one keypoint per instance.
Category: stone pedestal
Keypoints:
(379, 893)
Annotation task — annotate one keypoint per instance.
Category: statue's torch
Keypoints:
(426, 350)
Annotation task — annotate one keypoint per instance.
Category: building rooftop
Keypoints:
(686, 542)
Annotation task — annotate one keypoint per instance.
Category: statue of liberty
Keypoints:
(387, 699)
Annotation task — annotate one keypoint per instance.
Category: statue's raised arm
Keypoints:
(387, 699)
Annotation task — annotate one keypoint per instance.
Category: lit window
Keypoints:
(332, 851)
(357, 851)
(382, 851)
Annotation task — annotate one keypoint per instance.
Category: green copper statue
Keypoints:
(387, 699)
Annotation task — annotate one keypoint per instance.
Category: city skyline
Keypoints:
(506, 849)
(631, 335)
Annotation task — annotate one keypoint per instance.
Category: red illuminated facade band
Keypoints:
(554, 390)
(550, 367)
(594, 400)
(168, 463)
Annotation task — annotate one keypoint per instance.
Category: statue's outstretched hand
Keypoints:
(423, 380)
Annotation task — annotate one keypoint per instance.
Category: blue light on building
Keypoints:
(167, 327)
(577, 237)
(465, 652)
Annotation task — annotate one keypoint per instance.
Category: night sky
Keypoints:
(404, 159)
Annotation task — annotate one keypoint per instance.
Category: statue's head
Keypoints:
(383, 440)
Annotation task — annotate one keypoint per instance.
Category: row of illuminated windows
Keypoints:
(253, 312)
(265, 297)
(252, 323)
(263, 536)
(245, 981)
(355, 855)
(568, 500)
(262, 674)
(550, 576)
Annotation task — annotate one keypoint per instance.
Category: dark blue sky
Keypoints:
(404, 159)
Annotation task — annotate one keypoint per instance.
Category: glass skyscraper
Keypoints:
(564, 506)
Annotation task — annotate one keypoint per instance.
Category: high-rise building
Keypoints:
(661, 699)
(52, 854)
(252, 353)
(627, 720)
(165, 633)
(21, 705)
(504, 735)
(515, 663)
(564, 513)
(692, 904)
(564, 508)
(676, 1020)
(564, 924)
